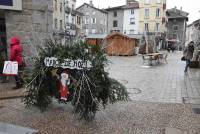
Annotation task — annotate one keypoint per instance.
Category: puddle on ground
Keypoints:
(174, 131)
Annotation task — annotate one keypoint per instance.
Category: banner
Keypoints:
(67, 63)
(10, 68)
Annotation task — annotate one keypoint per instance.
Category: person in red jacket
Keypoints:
(16, 51)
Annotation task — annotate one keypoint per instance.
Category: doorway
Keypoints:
(3, 39)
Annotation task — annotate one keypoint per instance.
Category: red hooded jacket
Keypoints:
(16, 51)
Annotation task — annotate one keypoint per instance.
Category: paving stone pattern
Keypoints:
(159, 83)
(157, 106)
(121, 118)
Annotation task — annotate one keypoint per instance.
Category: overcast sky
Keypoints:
(190, 6)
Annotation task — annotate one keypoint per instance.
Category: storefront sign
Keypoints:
(67, 63)
(11, 4)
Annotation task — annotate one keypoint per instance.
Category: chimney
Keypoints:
(181, 8)
(91, 3)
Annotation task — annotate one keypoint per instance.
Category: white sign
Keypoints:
(67, 63)
(11, 4)
(10, 68)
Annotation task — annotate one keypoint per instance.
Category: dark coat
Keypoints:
(188, 52)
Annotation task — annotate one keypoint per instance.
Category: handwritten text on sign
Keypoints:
(67, 63)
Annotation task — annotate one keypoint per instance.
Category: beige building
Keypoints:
(152, 16)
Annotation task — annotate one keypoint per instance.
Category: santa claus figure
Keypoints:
(64, 82)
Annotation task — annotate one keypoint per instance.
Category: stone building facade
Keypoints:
(32, 24)
(193, 33)
(176, 27)
(115, 19)
(94, 19)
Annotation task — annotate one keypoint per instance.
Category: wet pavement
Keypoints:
(165, 82)
(6, 91)
(164, 101)
(121, 118)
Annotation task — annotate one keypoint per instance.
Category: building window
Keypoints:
(174, 36)
(146, 13)
(175, 27)
(132, 11)
(56, 4)
(157, 26)
(158, 1)
(115, 13)
(93, 31)
(78, 20)
(147, 1)
(61, 25)
(73, 21)
(67, 2)
(157, 12)
(132, 31)
(86, 31)
(55, 23)
(94, 20)
(132, 21)
(115, 23)
(87, 20)
(67, 18)
(61, 7)
(146, 26)
(105, 21)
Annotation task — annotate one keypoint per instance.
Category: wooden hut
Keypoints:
(95, 39)
(120, 45)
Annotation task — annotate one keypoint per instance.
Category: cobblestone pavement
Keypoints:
(157, 107)
(7, 92)
(160, 83)
(121, 118)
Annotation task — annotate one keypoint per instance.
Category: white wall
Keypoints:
(126, 25)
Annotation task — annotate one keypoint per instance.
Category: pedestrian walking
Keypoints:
(16, 51)
(188, 54)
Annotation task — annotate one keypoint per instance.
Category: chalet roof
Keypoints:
(85, 4)
(176, 13)
(122, 35)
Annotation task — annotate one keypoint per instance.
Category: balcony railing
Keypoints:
(58, 32)
(70, 26)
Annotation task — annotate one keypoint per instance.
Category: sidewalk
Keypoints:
(122, 118)
(6, 91)
(165, 83)
(163, 98)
